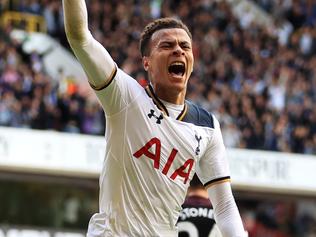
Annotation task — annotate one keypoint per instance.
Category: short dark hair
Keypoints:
(158, 24)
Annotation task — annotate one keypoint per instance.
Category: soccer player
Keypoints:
(197, 216)
(156, 140)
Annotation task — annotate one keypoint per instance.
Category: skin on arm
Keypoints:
(94, 58)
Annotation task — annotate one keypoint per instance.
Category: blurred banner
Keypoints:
(277, 172)
(29, 232)
(49, 152)
(54, 153)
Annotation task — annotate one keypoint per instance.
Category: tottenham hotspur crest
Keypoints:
(198, 139)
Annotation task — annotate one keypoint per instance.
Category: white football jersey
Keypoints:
(150, 160)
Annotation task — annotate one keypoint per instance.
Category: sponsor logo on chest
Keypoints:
(152, 150)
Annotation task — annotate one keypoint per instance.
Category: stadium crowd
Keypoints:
(259, 82)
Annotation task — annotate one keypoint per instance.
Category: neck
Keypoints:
(171, 96)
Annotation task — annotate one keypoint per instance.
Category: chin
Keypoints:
(178, 86)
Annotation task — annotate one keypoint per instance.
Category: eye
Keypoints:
(185, 46)
(165, 45)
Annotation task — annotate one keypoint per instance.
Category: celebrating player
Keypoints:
(156, 140)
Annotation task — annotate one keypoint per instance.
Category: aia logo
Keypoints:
(158, 118)
(183, 171)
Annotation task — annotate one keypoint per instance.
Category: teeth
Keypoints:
(177, 63)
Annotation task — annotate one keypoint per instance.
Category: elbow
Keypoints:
(76, 35)
(75, 38)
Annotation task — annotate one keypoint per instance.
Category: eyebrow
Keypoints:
(171, 41)
(166, 42)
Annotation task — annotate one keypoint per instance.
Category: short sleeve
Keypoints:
(213, 165)
(119, 93)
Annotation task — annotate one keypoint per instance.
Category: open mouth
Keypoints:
(177, 69)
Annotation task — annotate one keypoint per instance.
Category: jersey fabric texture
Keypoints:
(150, 160)
(197, 219)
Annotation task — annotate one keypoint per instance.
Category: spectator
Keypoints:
(247, 65)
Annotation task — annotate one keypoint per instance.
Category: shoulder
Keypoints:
(198, 116)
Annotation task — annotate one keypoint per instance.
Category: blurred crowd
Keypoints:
(297, 12)
(31, 99)
(276, 218)
(259, 82)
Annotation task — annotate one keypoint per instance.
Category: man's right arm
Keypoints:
(94, 58)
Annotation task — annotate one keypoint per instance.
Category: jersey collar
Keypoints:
(150, 92)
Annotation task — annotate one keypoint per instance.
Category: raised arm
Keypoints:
(94, 58)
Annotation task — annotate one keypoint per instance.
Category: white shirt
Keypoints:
(150, 159)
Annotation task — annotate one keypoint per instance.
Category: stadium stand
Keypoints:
(259, 82)
(271, 86)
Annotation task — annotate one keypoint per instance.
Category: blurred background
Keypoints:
(255, 69)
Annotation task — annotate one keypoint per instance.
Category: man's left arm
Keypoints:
(213, 171)
(226, 212)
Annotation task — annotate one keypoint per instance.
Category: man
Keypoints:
(197, 216)
(155, 139)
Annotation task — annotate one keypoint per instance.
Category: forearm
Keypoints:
(225, 211)
(94, 58)
(76, 20)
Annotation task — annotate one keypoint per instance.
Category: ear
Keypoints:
(146, 63)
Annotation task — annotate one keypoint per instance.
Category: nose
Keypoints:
(178, 50)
